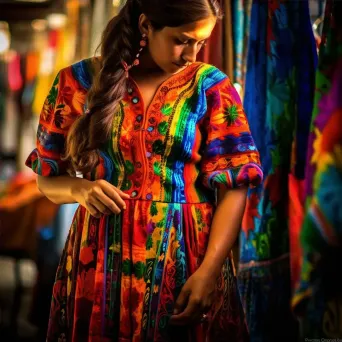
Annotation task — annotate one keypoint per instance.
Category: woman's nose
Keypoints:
(190, 54)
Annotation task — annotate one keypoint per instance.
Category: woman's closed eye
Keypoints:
(181, 42)
(186, 42)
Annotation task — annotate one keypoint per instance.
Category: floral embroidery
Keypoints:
(120, 275)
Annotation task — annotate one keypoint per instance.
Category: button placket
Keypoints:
(136, 177)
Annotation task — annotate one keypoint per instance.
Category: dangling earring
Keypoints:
(143, 44)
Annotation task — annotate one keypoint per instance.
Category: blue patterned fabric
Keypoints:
(278, 103)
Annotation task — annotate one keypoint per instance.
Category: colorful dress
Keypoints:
(120, 275)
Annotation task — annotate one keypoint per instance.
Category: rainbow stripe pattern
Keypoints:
(120, 275)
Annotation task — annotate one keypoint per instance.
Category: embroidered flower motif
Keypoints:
(162, 127)
(166, 110)
(231, 114)
(48, 111)
(52, 97)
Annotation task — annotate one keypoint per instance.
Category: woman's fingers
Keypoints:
(109, 203)
(114, 194)
(190, 313)
(101, 207)
(93, 211)
(181, 302)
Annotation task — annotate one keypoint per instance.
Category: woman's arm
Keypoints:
(198, 293)
(98, 197)
(225, 228)
(60, 189)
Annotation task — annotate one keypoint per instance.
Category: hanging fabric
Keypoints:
(241, 18)
(278, 102)
(318, 299)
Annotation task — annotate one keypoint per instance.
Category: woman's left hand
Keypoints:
(195, 299)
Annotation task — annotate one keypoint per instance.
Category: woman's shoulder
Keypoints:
(83, 72)
(210, 76)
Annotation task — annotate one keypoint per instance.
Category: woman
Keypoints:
(154, 134)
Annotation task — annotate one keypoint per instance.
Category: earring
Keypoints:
(143, 44)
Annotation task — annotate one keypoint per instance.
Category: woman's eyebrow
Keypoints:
(188, 37)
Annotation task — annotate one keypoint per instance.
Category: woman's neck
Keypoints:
(148, 67)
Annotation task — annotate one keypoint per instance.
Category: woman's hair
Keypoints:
(120, 42)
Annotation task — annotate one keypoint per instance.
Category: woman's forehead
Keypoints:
(198, 30)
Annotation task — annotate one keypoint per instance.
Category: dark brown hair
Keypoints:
(120, 42)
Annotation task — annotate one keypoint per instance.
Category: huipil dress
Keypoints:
(120, 275)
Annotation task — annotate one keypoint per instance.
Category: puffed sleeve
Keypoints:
(230, 158)
(64, 103)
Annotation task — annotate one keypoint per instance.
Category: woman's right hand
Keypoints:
(100, 197)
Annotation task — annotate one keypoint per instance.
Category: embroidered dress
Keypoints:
(120, 275)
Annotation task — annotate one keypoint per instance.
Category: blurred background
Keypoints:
(37, 39)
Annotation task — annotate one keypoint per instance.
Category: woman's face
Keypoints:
(173, 48)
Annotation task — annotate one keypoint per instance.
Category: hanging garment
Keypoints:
(120, 275)
(278, 102)
(241, 15)
(318, 299)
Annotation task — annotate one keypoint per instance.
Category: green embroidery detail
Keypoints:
(162, 128)
(52, 97)
(127, 267)
(129, 167)
(56, 81)
(126, 185)
(161, 223)
(166, 110)
(139, 269)
(231, 114)
(157, 168)
(154, 210)
(149, 243)
(200, 220)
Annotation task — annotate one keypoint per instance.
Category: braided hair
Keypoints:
(120, 41)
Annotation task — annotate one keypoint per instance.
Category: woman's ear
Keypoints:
(145, 26)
